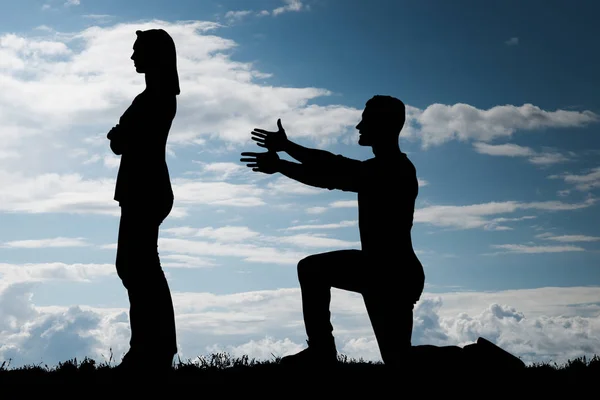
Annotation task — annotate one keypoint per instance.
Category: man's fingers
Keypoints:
(258, 140)
(262, 131)
(259, 134)
(279, 124)
(246, 160)
(251, 154)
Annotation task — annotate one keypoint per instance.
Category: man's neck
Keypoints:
(387, 150)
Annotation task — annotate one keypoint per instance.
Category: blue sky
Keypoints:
(502, 128)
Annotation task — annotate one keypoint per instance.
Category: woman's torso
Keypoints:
(143, 173)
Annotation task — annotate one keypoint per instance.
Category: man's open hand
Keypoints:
(261, 162)
(273, 141)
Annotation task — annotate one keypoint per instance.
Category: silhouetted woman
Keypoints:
(143, 190)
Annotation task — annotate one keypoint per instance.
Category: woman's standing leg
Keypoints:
(138, 265)
(166, 322)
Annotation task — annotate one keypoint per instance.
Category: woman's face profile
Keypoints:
(139, 57)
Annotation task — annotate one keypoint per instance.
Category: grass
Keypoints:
(227, 374)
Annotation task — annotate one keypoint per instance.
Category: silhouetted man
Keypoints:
(386, 270)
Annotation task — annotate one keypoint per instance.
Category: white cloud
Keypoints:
(285, 186)
(45, 243)
(527, 249)
(316, 210)
(73, 193)
(44, 28)
(541, 325)
(585, 182)
(439, 123)
(260, 349)
(514, 150)
(249, 245)
(315, 240)
(190, 191)
(38, 272)
(344, 204)
(97, 89)
(223, 234)
(56, 193)
(513, 41)
(69, 3)
(341, 224)
(220, 171)
(290, 5)
(98, 85)
(548, 158)
(568, 238)
(247, 252)
(237, 15)
(186, 261)
(478, 215)
(99, 18)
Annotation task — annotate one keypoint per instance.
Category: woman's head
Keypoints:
(154, 53)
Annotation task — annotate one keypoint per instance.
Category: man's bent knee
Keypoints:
(306, 267)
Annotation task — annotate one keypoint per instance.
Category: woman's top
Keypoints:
(140, 138)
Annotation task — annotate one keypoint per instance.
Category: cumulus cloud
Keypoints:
(513, 41)
(539, 325)
(33, 335)
(439, 123)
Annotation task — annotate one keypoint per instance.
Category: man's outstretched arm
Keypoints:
(269, 162)
(305, 175)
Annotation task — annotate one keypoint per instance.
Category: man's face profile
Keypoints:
(368, 127)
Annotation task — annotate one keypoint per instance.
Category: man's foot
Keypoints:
(313, 355)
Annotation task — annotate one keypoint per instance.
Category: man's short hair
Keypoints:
(391, 109)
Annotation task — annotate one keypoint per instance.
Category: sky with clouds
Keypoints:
(502, 126)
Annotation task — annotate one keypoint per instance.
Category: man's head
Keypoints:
(382, 120)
